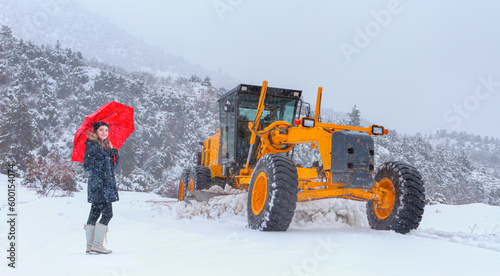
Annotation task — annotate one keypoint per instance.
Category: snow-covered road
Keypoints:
(179, 239)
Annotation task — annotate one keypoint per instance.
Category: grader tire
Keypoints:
(408, 192)
(272, 195)
(200, 178)
(183, 184)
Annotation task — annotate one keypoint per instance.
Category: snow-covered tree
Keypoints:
(355, 117)
(17, 132)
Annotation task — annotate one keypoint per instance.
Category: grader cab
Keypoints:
(253, 148)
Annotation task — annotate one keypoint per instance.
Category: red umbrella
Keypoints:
(120, 119)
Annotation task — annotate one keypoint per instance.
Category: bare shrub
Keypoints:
(51, 176)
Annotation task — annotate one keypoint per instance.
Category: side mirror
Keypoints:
(308, 110)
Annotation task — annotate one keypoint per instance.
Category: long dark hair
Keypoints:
(105, 144)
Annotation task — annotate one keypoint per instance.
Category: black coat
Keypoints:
(100, 164)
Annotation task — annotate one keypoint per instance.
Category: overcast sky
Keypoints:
(413, 66)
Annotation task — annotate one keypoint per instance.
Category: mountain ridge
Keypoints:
(74, 26)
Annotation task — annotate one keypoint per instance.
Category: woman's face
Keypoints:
(102, 132)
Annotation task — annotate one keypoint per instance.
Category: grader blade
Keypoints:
(202, 196)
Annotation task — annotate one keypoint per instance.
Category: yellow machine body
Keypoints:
(281, 137)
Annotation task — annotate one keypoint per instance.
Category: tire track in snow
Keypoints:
(490, 242)
(325, 212)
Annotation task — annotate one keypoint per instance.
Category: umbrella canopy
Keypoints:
(120, 119)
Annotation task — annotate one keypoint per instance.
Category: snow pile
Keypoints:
(318, 212)
(227, 190)
(216, 207)
(328, 211)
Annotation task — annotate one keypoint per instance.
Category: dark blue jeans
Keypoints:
(100, 208)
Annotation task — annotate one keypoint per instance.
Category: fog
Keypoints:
(412, 66)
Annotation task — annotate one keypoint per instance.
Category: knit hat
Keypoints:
(97, 125)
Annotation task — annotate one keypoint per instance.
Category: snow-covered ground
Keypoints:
(327, 237)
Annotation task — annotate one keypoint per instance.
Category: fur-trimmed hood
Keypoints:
(92, 136)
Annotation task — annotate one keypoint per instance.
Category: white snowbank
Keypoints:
(477, 218)
(328, 211)
(227, 190)
(216, 207)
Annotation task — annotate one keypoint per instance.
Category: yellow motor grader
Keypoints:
(252, 151)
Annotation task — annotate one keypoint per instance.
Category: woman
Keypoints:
(99, 161)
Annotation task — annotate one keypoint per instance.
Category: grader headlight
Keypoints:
(307, 122)
(377, 130)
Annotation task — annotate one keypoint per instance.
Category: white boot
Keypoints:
(100, 233)
(89, 232)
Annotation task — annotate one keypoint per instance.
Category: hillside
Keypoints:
(74, 26)
(47, 92)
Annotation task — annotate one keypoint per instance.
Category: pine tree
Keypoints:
(207, 82)
(17, 134)
(355, 117)
(6, 39)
